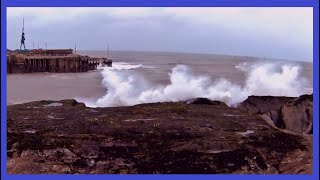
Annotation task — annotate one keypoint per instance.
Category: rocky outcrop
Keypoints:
(292, 113)
(205, 101)
(297, 114)
(269, 105)
(49, 137)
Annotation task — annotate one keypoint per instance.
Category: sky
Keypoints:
(283, 32)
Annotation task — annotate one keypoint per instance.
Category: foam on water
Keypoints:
(126, 87)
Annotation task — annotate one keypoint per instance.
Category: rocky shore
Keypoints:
(263, 135)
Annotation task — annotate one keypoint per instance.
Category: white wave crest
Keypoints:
(128, 88)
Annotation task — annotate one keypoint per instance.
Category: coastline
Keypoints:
(194, 136)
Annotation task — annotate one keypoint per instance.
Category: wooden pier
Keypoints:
(53, 60)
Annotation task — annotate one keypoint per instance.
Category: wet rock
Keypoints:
(287, 165)
(72, 102)
(32, 165)
(53, 105)
(60, 154)
(181, 138)
(29, 153)
(292, 113)
(297, 114)
(205, 101)
(269, 105)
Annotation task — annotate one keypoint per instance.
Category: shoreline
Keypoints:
(197, 136)
(61, 99)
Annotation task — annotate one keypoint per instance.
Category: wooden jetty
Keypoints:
(50, 60)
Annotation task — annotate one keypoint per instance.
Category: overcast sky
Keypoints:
(263, 32)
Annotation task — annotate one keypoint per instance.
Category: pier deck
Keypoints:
(47, 61)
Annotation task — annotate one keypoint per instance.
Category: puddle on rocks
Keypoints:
(53, 105)
(30, 131)
(134, 120)
(245, 133)
(233, 115)
(52, 117)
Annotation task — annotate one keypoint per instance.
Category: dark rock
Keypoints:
(205, 101)
(292, 113)
(71, 102)
(60, 154)
(174, 138)
(297, 114)
(269, 105)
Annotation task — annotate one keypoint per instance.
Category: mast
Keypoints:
(108, 52)
(46, 48)
(22, 25)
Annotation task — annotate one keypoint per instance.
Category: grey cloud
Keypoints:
(154, 33)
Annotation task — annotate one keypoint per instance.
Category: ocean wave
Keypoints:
(127, 88)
